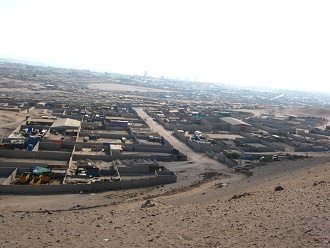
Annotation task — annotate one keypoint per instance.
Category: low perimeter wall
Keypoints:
(48, 155)
(108, 158)
(95, 187)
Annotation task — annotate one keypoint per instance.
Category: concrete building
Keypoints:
(65, 124)
(235, 125)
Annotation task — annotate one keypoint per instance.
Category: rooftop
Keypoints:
(224, 136)
(67, 122)
(234, 121)
(39, 120)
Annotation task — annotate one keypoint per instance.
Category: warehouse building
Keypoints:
(235, 125)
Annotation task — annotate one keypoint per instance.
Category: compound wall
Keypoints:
(95, 187)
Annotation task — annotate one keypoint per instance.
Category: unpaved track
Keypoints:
(199, 160)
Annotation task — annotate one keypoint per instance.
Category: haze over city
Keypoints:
(158, 123)
(280, 44)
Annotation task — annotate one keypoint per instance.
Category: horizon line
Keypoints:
(233, 85)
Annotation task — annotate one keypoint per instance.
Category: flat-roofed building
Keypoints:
(65, 124)
(235, 125)
(39, 122)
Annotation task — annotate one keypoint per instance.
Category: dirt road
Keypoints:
(198, 159)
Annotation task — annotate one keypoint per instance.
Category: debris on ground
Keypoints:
(279, 188)
(239, 196)
(148, 204)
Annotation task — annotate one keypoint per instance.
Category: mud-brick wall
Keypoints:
(49, 155)
(180, 136)
(77, 188)
(199, 147)
(53, 146)
(148, 148)
(134, 170)
(109, 158)
(167, 179)
(107, 135)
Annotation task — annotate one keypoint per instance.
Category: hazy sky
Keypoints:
(264, 43)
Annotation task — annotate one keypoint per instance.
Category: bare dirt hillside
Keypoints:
(248, 213)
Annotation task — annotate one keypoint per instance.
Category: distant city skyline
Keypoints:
(280, 44)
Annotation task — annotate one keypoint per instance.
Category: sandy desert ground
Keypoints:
(216, 213)
(124, 88)
(9, 121)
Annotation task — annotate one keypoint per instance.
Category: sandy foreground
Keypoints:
(246, 213)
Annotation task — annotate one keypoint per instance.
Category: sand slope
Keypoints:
(258, 216)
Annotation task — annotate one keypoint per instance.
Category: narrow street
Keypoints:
(197, 159)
